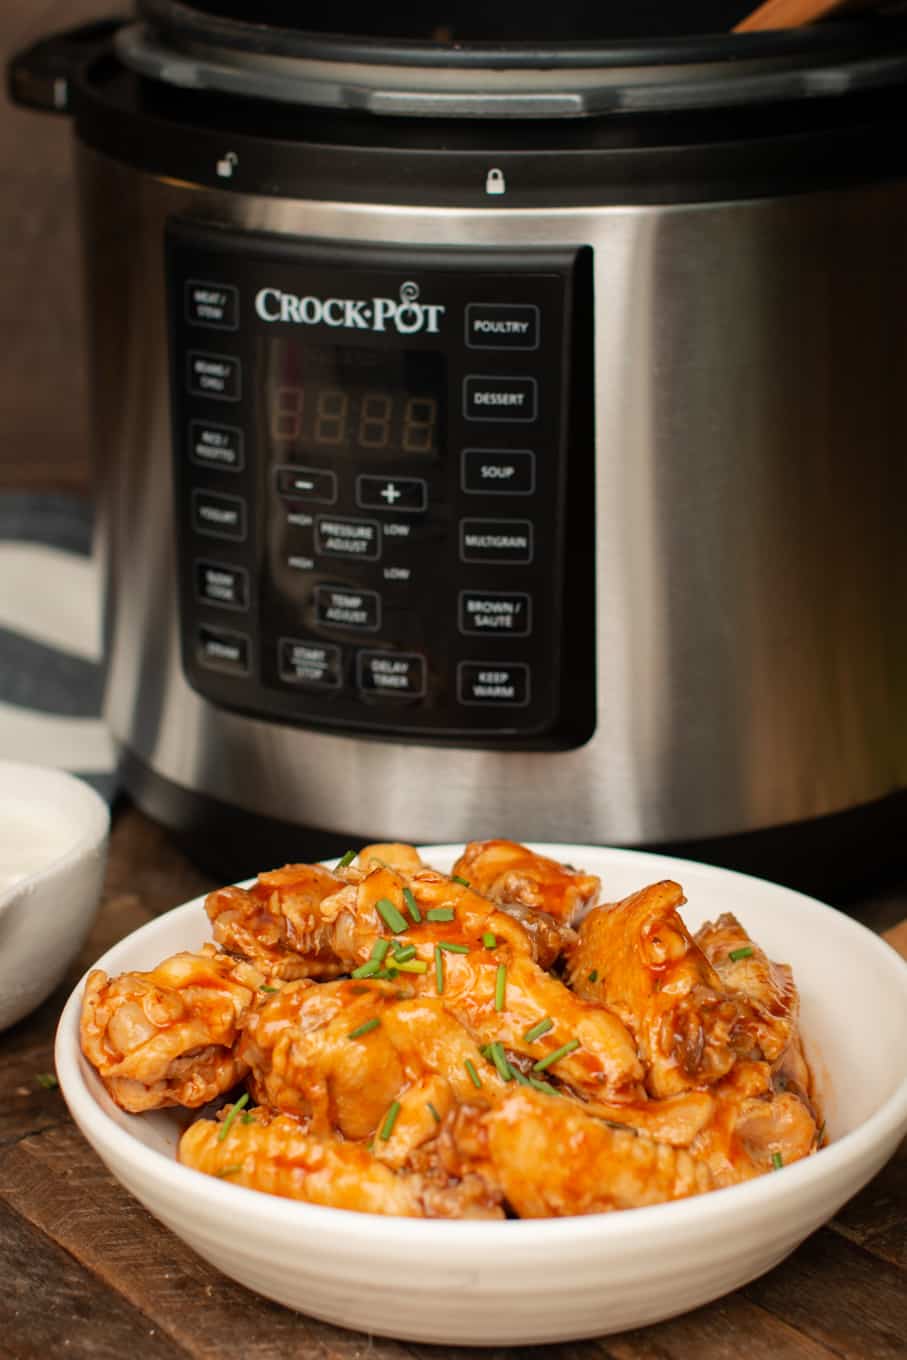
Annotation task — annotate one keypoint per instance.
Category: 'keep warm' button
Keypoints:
(486, 683)
(392, 673)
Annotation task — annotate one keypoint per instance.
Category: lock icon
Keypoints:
(495, 182)
(227, 164)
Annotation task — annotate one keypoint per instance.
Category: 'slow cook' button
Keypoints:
(222, 650)
(496, 540)
(313, 665)
(218, 516)
(498, 472)
(217, 583)
(495, 611)
(492, 397)
(486, 683)
(393, 673)
(341, 608)
(214, 375)
(337, 537)
(216, 446)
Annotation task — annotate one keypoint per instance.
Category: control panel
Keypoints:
(376, 451)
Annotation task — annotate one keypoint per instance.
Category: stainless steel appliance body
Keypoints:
(742, 627)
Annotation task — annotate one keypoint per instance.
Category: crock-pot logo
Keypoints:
(406, 314)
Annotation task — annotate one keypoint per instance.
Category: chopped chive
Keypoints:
(440, 914)
(390, 973)
(346, 859)
(593, 976)
(743, 953)
(390, 1120)
(485, 1051)
(553, 1057)
(490, 940)
(499, 1058)
(247, 1118)
(365, 1028)
(439, 971)
(412, 966)
(453, 948)
(545, 1086)
(402, 954)
(411, 907)
(820, 1135)
(264, 988)
(379, 949)
(389, 913)
(473, 1074)
(538, 1030)
(225, 1126)
(500, 987)
(371, 1145)
(229, 1170)
(368, 969)
(47, 1080)
(521, 1080)
(777, 1159)
(434, 1113)
(464, 882)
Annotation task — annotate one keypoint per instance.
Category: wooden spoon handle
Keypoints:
(787, 14)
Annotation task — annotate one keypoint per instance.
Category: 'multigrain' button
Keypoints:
(496, 540)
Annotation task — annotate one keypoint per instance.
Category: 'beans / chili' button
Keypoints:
(488, 684)
(492, 397)
(496, 540)
(215, 375)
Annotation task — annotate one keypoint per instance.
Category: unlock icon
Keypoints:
(227, 164)
(495, 182)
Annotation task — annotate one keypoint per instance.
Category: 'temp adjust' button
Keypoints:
(341, 608)
(394, 673)
(488, 684)
(492, 397)
(502, 325)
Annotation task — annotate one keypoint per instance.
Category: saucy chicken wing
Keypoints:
(513, 875)
(549, 1158)
(638, 958)
(279, 1155)
(168, 1037)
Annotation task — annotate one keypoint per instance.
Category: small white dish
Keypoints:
(516, 1283)
(53, 847)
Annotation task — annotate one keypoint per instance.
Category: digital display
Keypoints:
(351, 400)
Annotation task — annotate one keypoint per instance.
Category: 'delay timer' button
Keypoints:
(489, 684)
(394, 673)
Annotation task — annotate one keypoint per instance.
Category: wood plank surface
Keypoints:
(92, 1273)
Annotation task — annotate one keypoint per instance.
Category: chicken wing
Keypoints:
(639, 959)
(743, 967)
(168, 1037)
(279, 1155)
(277, 923)
(549, 1158)
(755, 1128)
(512, 874)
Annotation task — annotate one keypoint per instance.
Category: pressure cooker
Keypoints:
(500, 419)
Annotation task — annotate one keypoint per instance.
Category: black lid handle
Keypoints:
(42, 76)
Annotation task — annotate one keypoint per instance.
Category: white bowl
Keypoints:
(46, 914)
(514, 1283)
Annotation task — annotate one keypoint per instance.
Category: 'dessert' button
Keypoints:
(502, 325)
(214, 375)
(490, 397)
(315, 665)
(223, 585)
(215, 305)
(498, 472)
(487, 683)
(222, 650)
(395, 673)
(342, 608)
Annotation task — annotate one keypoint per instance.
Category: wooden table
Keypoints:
(87, 1272)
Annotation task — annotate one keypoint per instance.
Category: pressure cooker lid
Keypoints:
(506, 58)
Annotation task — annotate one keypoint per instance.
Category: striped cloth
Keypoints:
(50, 639)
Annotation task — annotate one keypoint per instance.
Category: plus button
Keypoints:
(390, 494)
